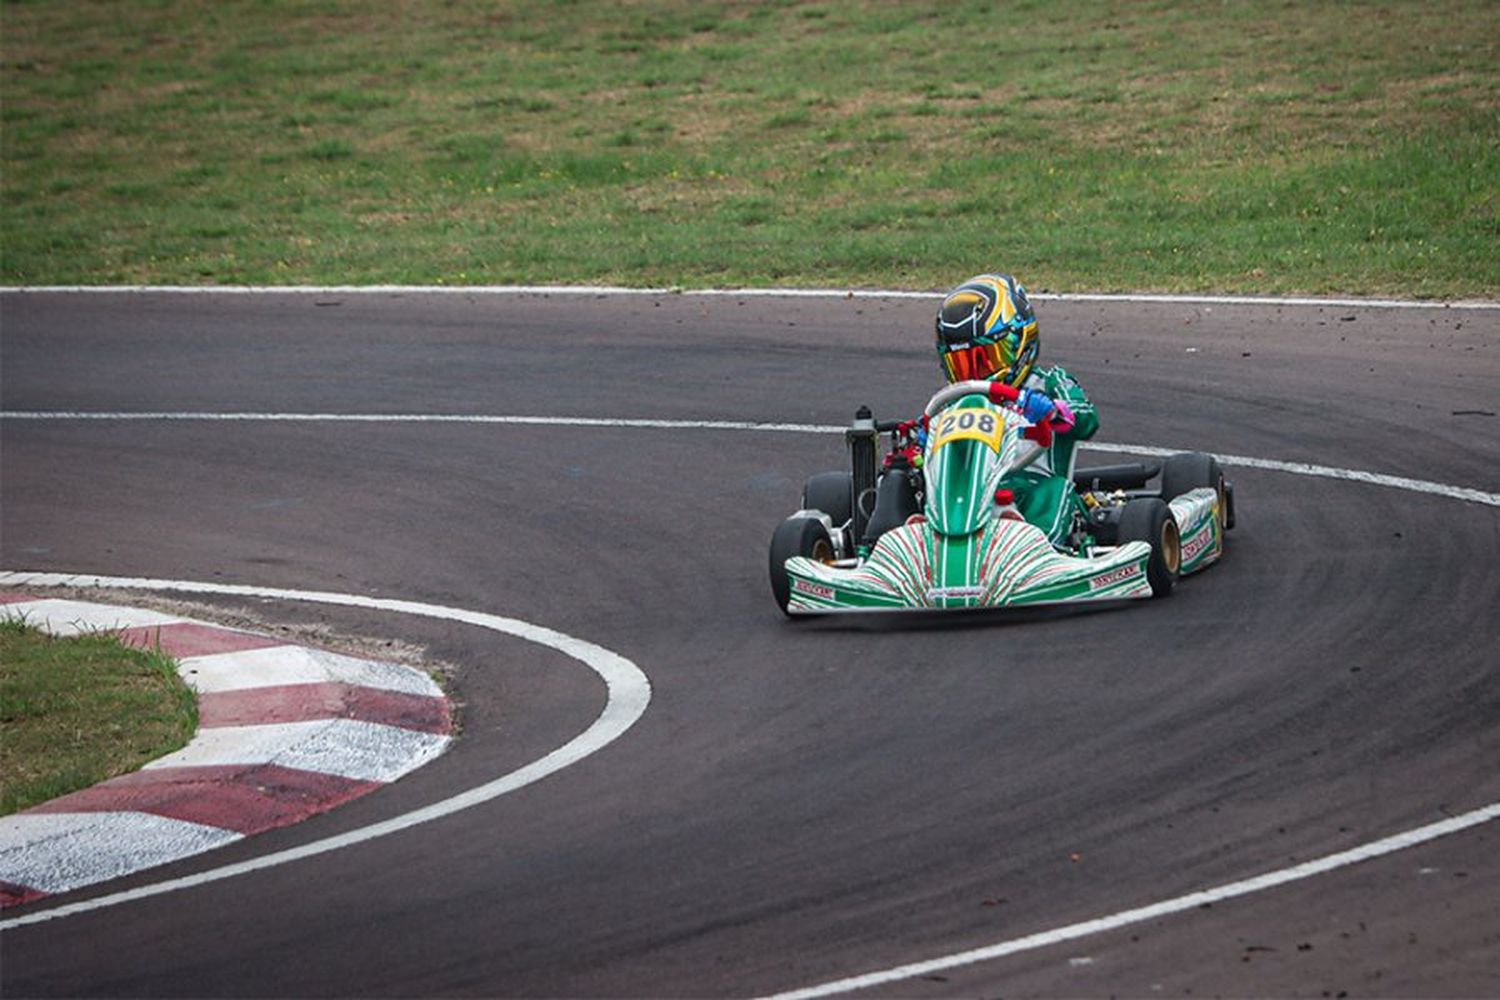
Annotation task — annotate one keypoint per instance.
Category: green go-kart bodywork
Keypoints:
(965, 548)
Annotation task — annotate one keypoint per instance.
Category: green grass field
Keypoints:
(1321, 147)
(78, 710)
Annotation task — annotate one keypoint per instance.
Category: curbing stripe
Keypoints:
(181, 640)
(285, 732)
(282, 665)
(55, 852)
(14, 895)
(245, 800)
(328, 700)
(70, 618)
(343, 747)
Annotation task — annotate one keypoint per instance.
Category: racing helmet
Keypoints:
(986, 329)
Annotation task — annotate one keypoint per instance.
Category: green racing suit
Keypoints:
(1044, 491)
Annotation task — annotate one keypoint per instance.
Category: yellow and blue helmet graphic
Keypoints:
(986, 329)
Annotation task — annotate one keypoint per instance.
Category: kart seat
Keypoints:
(1129, 476)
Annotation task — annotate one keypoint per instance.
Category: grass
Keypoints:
(1149, 145)
(76, 711)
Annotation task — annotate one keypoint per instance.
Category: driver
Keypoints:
(986, 329)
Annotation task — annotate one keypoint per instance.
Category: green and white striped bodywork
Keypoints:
(1007, 563)
(1200, 525)
(960, 554)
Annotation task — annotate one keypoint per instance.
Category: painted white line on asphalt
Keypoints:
(429, 418)
(782, 293)
(1295, 468)
(1321, 471)
(628, 692)
(1126, 918)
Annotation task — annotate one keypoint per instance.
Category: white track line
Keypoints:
(628, 694)
(1126, 918)
(1295, 468)
(785, 293)
(1321, 471)
(430, 418)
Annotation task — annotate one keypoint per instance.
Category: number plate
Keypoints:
(957, 425)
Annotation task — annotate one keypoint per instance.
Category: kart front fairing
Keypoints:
(960, 553)
(1008, 563)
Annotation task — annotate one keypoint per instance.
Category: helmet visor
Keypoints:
(977, 361)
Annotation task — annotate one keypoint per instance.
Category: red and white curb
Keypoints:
(285, 731)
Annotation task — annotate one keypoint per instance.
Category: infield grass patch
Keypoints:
(75, 711)
(1289, 147)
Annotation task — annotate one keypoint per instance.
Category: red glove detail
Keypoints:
(1002, 393)
(1041, 434)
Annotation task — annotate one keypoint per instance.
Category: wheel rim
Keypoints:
(822, 551)
(1171, 547)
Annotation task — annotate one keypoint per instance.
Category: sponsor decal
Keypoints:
(1112, 577)
(1192, 549)
(938, 593)
(813, 589)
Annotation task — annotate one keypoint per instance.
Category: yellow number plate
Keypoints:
(980, 425)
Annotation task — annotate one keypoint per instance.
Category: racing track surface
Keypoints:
(800, 802)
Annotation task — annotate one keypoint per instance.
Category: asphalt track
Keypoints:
(800, 802)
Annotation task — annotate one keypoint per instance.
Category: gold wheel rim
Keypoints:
(1171, 547)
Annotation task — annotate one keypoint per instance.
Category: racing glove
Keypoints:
(1062, 419)
(1048, 416)
(1036, 406)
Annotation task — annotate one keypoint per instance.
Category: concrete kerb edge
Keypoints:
(200, 797)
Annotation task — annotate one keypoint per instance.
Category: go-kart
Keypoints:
(945, 532)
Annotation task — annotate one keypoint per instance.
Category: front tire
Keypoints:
(796, 536)
(1150, 520)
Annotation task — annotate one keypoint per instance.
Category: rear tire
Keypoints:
(1193, 470)
(833, 494)
(1150, 520)
(796, 536)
